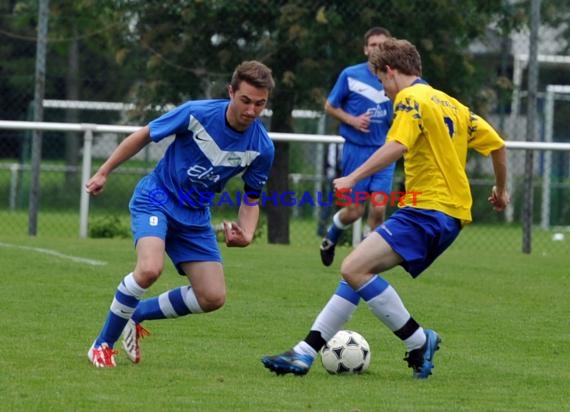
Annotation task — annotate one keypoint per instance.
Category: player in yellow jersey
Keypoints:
(433, 132)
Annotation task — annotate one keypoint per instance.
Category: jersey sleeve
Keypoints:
(407, 122)
(482, 137)
(257, 173)
(170, 123)
(339, 90)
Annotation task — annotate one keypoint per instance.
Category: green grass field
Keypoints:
(503, 317)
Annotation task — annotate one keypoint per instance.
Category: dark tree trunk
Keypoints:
(277, 214)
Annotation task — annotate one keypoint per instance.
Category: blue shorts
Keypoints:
(419, 236)
(352, 157)
(187, 232)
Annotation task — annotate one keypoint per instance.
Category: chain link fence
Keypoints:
(117, 75)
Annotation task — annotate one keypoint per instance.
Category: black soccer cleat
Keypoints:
(421, 360)
(327, 252)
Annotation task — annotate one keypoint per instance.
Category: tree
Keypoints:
(79, 65)
(169, 51)
(192, 46)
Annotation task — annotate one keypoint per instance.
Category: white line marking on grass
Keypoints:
(55, 253)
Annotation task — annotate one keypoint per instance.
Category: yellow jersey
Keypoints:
(437, 131)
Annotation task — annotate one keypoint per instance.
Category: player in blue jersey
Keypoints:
(434, 132)
(358, 101)
(214, 140)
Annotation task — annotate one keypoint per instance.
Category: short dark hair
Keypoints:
(376, 31)
(255, 73)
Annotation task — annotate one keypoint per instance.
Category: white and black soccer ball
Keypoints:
(347, 352)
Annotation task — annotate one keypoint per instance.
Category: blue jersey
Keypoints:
(207, 152)
(356, 91)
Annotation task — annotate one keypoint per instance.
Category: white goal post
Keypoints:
(552, 90)
(520, 62)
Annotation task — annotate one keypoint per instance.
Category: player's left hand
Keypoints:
(235, 235)
(499, 200)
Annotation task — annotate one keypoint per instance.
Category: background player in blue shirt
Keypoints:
(214, 141)
(358, 101)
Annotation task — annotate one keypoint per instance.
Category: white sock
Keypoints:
(333, 316)
(417, 340)
(389, 308)
(338, 223)
(304, 349)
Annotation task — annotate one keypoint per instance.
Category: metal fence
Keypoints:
(66, 210)
(480, 52)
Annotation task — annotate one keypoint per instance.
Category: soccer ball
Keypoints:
(347, 352)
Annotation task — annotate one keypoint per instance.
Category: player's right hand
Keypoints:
(362, 122)
(94, 186)
(235, 235)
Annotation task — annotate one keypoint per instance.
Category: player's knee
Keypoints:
(352, 214)
(378, 212)
(356, 214)
(212, 301)
(347, 270)
(149, 273)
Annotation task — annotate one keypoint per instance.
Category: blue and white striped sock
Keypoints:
(126, 299)
(171, 304)
(336, 228)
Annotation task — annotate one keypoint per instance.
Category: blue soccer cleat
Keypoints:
(288, 362)
(421, 360)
